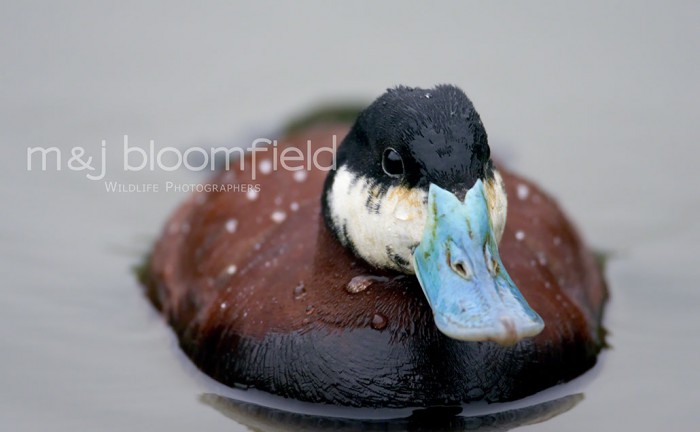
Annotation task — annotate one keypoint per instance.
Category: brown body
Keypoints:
(284, 322)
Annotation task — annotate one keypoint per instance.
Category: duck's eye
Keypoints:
(392, 163)
(483, 152)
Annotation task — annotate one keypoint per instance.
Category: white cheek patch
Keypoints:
(384, 225)
(498, 204)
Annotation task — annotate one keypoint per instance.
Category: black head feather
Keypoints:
(437, 134)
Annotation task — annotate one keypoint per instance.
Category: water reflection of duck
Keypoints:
(433, 419)
(396, 282)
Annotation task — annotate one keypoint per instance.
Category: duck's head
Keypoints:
(415, 191)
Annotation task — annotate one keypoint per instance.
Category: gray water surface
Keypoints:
(597, 102)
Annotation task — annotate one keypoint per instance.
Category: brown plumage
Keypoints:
(282, 320)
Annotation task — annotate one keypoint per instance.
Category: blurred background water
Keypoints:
(597, 101)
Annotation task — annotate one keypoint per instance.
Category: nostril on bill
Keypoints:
(491, 263)
(461, 269)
